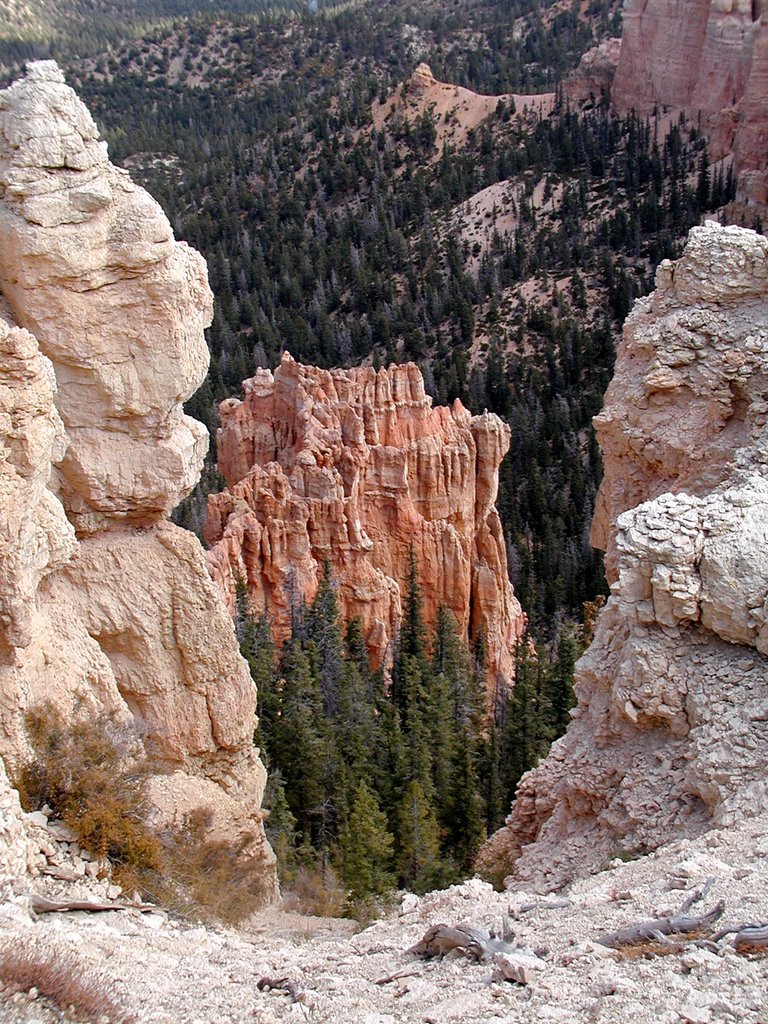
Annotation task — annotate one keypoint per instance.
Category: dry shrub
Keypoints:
(209, 878)
(317, 891)
(59, 976)
(94, 776)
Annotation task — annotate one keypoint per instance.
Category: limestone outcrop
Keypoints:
(669, 736)
(356, 466)
(709, 58)
(105, 606)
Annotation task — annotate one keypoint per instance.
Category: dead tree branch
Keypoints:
(42, 905)
(472, 942)
(658, 928)
(745, 935)
(527, 908)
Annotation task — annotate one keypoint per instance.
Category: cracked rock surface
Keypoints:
(106, 608)
(670, 735)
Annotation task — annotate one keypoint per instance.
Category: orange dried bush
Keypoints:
(209, 878)
(93, 775)
(58, 975)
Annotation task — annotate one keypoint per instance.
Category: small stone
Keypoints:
(113, 892)
(519, 967)
(62, 832)
(694, 1013)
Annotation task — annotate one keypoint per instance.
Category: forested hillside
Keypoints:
(501, 258)
(343, 243)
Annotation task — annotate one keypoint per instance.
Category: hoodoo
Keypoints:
(669, 737)
(357, 467)
(105, 606)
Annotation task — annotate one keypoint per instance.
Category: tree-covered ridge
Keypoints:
(396, 784)
(62, 29)
(346, 244)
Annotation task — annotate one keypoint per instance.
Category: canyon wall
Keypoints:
(357, 467)
(670, 734)
(106, 608)
(709, 58)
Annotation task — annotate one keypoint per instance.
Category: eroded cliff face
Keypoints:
(105, 606)
(709, 58)
(355, 466)
(669, 736)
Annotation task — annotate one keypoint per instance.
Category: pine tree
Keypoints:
(560, 693)
(524, 737)
(463, 817)
(324, 630)
(280, 826)
(301, 740)
(410, 643)
(418, 858)
(365, 847)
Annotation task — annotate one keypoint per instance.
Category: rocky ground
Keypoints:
(173, 971)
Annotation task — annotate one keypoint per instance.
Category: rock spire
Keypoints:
(357, 467)
(668, 738)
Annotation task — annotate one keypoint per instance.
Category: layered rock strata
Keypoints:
(708, 58)
(357, 467)
(669, 736)
(105, 606)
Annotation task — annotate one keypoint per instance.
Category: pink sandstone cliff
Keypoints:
(355, 466)
(668, 737)
(105, 606)
(708, 58)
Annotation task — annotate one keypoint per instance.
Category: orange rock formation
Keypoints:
(356, 466)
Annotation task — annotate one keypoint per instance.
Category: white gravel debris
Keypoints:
(174, 972)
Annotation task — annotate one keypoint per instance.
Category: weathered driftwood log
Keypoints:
(658, 928)
(282, 985)
(473, 942)
(745, 935)
(42, 905)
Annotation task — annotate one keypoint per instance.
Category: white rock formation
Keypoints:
(101, 340)
(90, 266)
(16, 851)
(670, 736)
